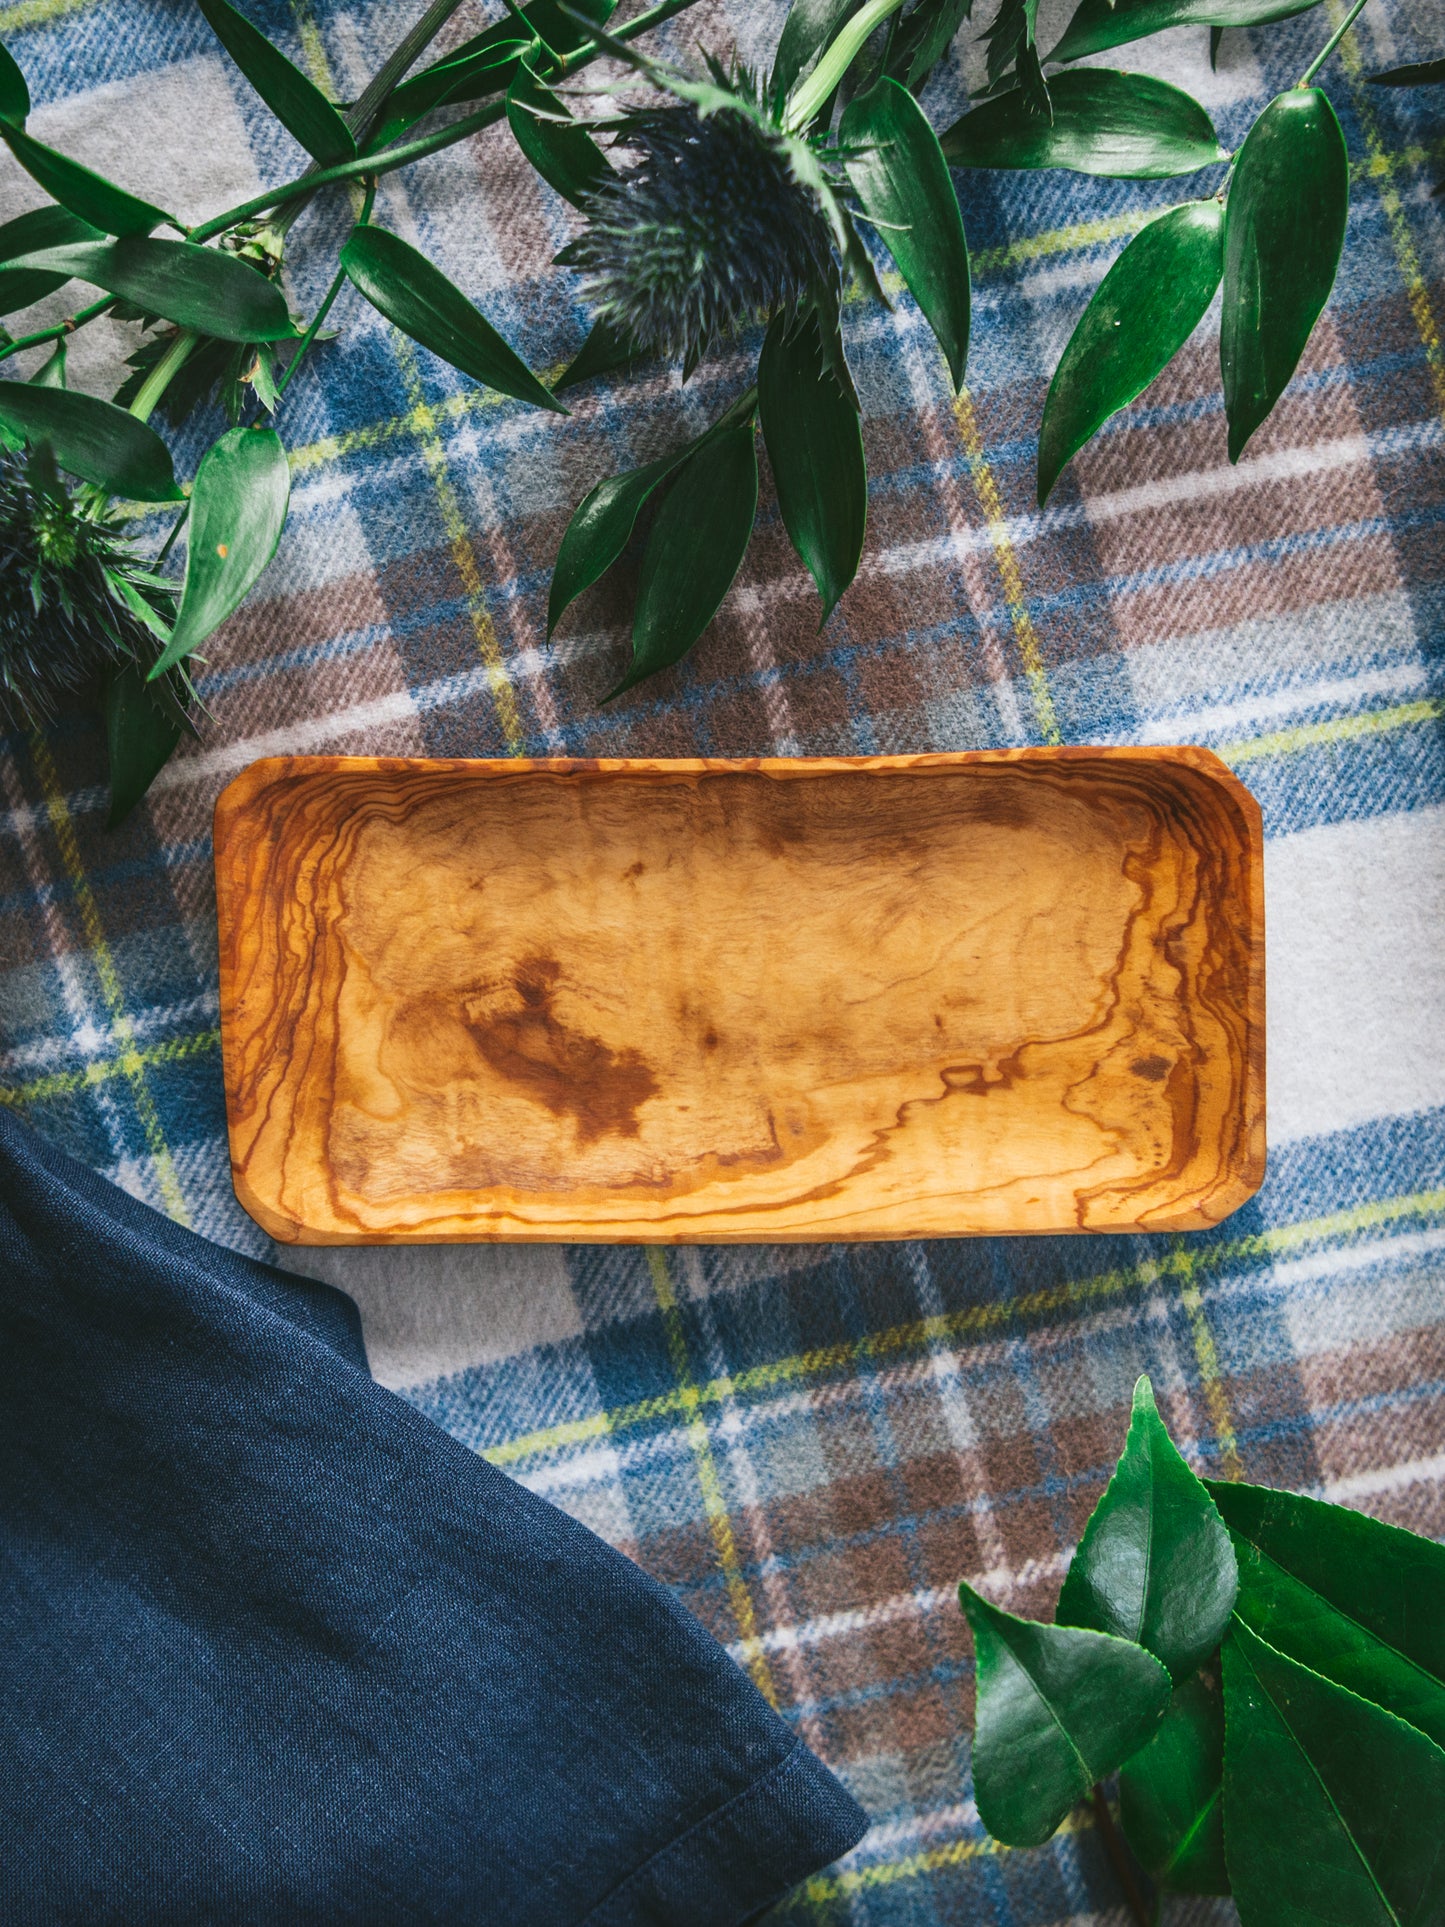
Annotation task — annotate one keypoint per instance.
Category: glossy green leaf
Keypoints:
(1010, 44)
(901, 180)
(93, 439)
(815, 445)
(51, 372)
(1142, 313)
(695, 549)
(238, 510)
(416, 297)
(300, 106)
(1155, 1564)
(1100, 24)
(600, 529)
(43, 227)
(1421, 73)
(1058, 1709)
(1284, 227)
(140, 733)
(1357, 1600)
(1171, 1794)
(561, 150)
(14, 94)
(1128, 125)
(88, 195)
(809, 27)
(604, 351)
(1331, 1805)
(924, 36)
(201, 288)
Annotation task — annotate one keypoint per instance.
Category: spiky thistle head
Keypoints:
(721, 219)
(64, 617)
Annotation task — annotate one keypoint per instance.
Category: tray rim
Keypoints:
(1240, 1185)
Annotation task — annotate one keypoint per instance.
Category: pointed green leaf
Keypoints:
(93, 439)
(1331, 1805)
(43, 227)
(300, 106)
(238, 510)
(809, 27)
(815, 444)
(1155, 1564)
(1357, 1600)
(140, 733)
(561, 150)
(1171, 1794)
(1128, 125)
(1058, 1710)
(901, 179)
(416, 297)
(924, 36)
(51, 372)
(89, 196)
(1142, 313)
(1284, 227)
(599, 531)
(1100, 24)
(695, 549)
(605, 350)
(1421, 73)
(201, 288)
(14, 94)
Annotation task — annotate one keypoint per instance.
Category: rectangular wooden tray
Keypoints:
(688, 1002)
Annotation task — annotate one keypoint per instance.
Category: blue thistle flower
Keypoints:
(721, 221)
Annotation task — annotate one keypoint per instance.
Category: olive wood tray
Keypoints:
(689, 1002)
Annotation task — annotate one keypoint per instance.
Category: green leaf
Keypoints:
(1010, 43)
(923, 38)
(93, 439)
(416, 297)
(561, 150)
(1284, 227)
(89, 196)
(1058, 1709)
(809, 27)
(901, 179)
(605, 350)
(1171, 1794)
(695, 549)
(1142, 313)
(51, 372)
(201, 288)
(1100, 24)
(600, 529)
(300, 106)
(140, 733)
(43, 227)
(14, 94)
(1422, 73)
(1331, 1805)
(1155, 1564)
(1357, 1600)
(1128, 125)
(238, 510)
(815, 444)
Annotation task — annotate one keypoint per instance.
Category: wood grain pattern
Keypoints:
(694, 1002)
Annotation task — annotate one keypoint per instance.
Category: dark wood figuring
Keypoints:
(692, 1002)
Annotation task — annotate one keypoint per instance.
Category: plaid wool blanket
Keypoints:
(811, 1445)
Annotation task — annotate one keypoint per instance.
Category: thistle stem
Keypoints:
(1334, 40)
(390, 158)
(60, 330)
(163, 374)
(814, 93)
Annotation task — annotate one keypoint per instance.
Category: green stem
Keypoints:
(390, 158)
(1334, 40)
(813, 93)
(61, 328)
(170, 541)
(163, 374)
(331, 293)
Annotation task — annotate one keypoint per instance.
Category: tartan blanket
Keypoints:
(811, 1445)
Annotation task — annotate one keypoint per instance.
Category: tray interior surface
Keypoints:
(697, 1002)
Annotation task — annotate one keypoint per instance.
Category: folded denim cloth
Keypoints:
(278, 1650)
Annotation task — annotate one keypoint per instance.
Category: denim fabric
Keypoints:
(278, 1650)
